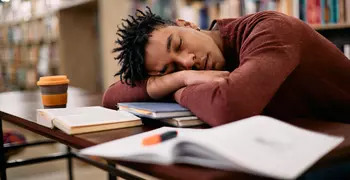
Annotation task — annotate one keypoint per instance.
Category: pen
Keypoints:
(158, 138)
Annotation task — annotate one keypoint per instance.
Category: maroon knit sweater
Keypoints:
(279, 67)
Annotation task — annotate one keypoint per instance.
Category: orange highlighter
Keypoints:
(158, 138)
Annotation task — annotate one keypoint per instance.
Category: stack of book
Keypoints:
(168, 113)
(78, 120)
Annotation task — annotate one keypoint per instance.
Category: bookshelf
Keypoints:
(320, 27)
(331, 18)
(37, 38)
(320, 14)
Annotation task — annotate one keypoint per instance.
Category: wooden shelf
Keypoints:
(74, 46)
(329, 26)
(21, 21)
(31, 42)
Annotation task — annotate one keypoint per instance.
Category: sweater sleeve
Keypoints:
(121, 92)
(267, 56)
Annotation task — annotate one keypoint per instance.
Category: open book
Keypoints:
(79, 120)
(259, 145)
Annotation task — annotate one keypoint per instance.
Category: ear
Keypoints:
(183, 23)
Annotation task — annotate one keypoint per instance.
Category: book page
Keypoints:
(73, 110)
(132, 149)
(88, 116)
(269, 147)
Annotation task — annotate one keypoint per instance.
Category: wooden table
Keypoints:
(19, 108)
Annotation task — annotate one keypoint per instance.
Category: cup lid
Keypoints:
(53, 80)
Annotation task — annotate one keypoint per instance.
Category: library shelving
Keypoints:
(330, 18)
(48, 37)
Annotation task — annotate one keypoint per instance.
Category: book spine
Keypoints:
(335, 11)
(331, 11)
(296, 8)
(322, 4)
(302, 10)
(318, 11)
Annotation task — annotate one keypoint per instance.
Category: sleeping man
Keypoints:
(265, 63)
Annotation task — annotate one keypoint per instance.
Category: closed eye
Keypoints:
(179, 47)
(165, 68)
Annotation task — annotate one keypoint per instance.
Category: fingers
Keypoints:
(222, 73)
(215, 73)
(183, 23)
(225, 73)
(220, 79)
(180, 22)
(221, 76)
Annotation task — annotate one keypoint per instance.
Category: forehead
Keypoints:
(156, 49)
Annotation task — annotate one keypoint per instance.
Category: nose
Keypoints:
(186, 62)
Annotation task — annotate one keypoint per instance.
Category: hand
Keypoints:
(160, 86)
(192, 77)
(183, 23)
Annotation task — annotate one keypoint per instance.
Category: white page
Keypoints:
(131, 148)
(268, 146)
(94, 118)
(75, 110)
(81, 116)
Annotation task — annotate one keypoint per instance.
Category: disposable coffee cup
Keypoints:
(54, 91)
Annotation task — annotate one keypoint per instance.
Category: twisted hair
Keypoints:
(133, 37)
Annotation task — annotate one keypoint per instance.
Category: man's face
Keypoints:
(174, 48)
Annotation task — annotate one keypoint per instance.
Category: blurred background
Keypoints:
(76, 37)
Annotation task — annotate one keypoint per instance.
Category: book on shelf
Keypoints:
(85, 119)
(258, 145)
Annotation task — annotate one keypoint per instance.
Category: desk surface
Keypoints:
(19, 108)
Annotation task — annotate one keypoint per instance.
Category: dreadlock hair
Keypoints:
(134, 37)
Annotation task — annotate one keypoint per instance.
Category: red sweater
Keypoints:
(279, 67)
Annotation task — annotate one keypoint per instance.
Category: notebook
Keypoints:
(155, 110)
(86, 119)
(187, 121)
(258, 145)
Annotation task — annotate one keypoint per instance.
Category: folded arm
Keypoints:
(266, 61)
(121, 92)
(158, 88)
(152, 89)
